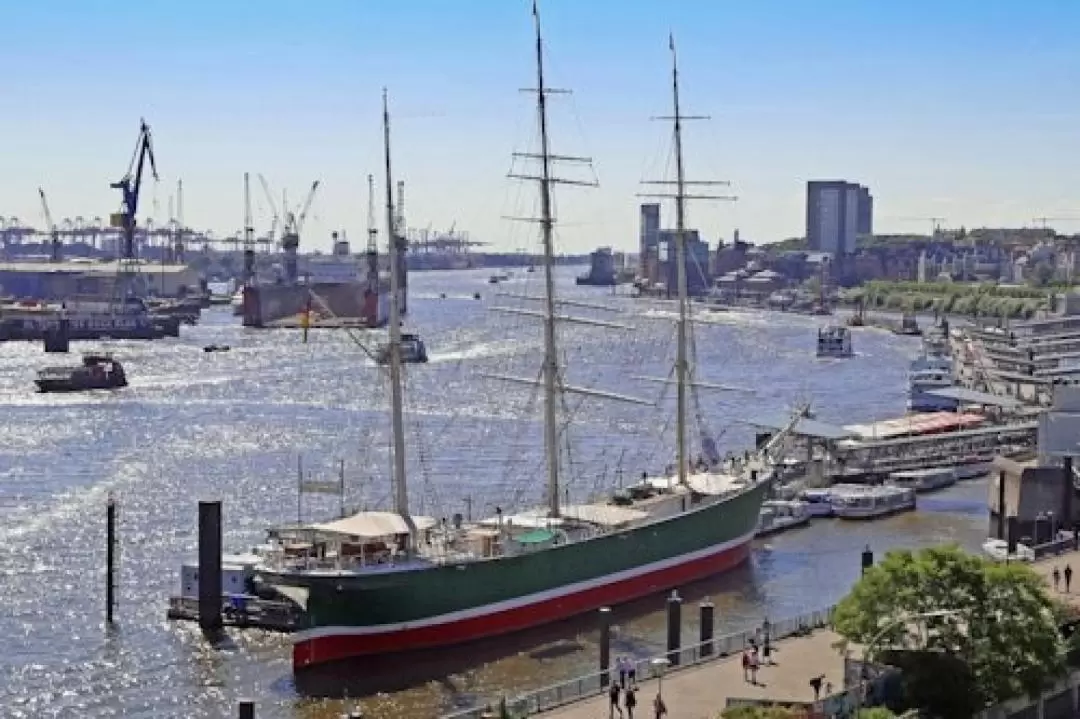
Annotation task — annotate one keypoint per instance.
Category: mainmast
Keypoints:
(401, 497)
(682, 361)
(547, 224)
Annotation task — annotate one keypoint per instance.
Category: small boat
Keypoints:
(855, 501)
(818, 502)
(778, 515)
(216, 348)
(496, 279)
(927, 374)
(413, 351)
(95, 372)
(834, 341)
(909, 325)
(924, 480)
(998, 550)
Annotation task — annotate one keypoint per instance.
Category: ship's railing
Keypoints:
(588, 685)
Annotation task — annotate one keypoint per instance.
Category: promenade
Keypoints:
(701, 692)
(1045, 568)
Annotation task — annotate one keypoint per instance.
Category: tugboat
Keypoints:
(413, 351)
(834, 341)
(95, 372)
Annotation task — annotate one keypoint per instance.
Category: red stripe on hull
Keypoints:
(330, 648)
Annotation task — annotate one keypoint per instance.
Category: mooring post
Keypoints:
(247, 709)
(210, 566)
(1001, 506)
(867, 558)
(110, 559)
(674, 627)
(706, 611)
(605, 646)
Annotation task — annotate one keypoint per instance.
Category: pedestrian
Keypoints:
(659, 708)
(746, 665)
(1057, 578)
(828, 689)
(621, 664)
(1068, 577)
(631, 671)
(815, 684)
(630, 701)
(755, 662)
(766, 651)
(613, 694)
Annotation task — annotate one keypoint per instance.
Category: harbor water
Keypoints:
(230, 425)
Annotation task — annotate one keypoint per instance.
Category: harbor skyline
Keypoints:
(962, 113)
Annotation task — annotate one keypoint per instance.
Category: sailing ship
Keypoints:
(387, 582)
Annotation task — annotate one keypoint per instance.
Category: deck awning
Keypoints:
(370, 525)
(970, 396)
(805, 427)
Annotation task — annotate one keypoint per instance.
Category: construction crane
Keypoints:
(294, 221)
(275, 221)
(54, 231)
(1045, 221)
(130, 186)
(935, 222)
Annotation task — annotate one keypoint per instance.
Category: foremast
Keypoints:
(397, 401)
(682, 360)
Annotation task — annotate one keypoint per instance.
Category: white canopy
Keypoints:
(372, 524)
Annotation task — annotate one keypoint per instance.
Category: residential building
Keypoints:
(649, 237)
(837, 212)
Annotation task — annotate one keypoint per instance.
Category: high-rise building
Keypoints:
(837, 212)
(649, 237)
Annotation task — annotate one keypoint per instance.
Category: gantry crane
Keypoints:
(130, 186)
(54, 231)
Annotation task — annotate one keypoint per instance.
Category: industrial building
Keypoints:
(837, 212)
(87, 278)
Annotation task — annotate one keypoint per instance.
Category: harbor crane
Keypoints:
(130, 186)
(54, 231)
(275, 219)
(294, 222)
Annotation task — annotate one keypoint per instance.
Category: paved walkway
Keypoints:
(701, 692)
(1045, 567)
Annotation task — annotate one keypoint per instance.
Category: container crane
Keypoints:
(54, 231)
(129, 186)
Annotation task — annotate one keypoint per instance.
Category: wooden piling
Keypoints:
(210, 566)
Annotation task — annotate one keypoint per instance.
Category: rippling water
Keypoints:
(229, 426)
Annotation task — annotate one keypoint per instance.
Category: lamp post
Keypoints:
(872, 644)
(659, 666)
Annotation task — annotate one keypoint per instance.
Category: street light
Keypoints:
(872, 644)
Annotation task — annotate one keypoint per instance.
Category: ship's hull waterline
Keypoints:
(362, 615)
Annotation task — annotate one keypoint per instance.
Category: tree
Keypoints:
(1003, 634)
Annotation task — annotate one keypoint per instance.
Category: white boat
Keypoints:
(818, 502)
(856, 501)
(998, 549)
(929, 372)
(778, 515)
(924, 480)
(834, 341)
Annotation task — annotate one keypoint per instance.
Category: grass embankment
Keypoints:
(970, 299)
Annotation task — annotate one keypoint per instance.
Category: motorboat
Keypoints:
(413, 351)
(925, 480)
(818, 502)
(855, 501)
(96, 372)
(779, 515)
(834, 341)
(998, 550)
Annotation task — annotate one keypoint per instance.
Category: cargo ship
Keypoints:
(389, 582)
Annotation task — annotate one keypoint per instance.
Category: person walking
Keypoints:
(613, 695)
(1057, 578)
(746, 665)
(755, 662)
(630, 701)
(1068, 577)
(620, 663)
(766, 651)
(659, 708)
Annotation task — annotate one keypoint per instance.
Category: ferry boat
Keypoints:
(834, 341)
(926, 373)
(95, 372)
(909, 325)
(413, 351)
(924, 480)
(779, 515)
(818, 502)
(377, 583)
(855, 501)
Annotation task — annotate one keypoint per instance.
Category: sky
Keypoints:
(967, 110)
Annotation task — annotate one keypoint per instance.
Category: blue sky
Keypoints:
(964, 109)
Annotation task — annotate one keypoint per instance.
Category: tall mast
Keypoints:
(682, 360)
(547, 224)
(372, 232)
(249, 229)
(681, 363)
(401, 497)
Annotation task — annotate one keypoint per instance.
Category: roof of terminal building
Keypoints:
(88, 267)
(970, 396)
